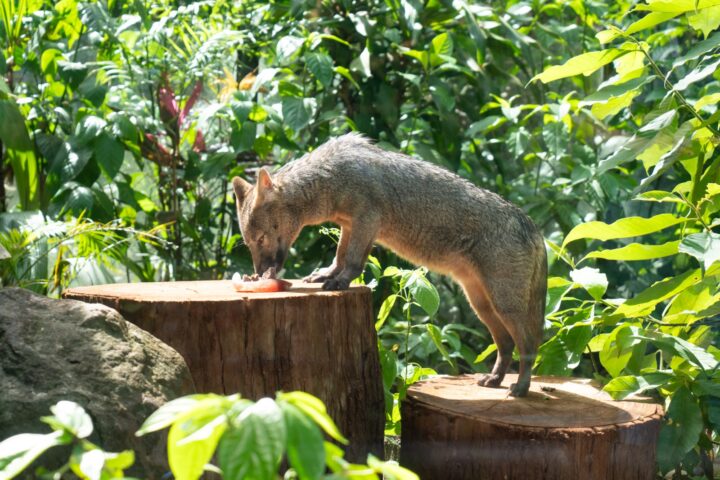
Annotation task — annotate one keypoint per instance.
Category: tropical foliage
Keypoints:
(121, 123)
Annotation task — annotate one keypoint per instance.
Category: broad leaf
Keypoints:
(681, 431)
(585, 64)
(644, 303)
(254, 447)
(637, 251)
(592, 280)
(622, 387)
(704, 246)
(321, 66)
(623, 228)
(315, 409)
(305, 449)
(19, 451)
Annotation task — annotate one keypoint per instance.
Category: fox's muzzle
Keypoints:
(274, 260)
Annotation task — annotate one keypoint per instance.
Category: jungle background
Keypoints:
(122, 122)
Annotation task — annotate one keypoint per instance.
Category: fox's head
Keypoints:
(267, 222)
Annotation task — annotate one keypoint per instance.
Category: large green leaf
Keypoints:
(644, 302)
(592, 280)
(623, 228)
(622, 387)
(314, 408)
(305, 448)
(682, 430)
(321, 66)
(109, 154)
(71, 417)
(585, 64)
(423, 292)
(699, 49)
(619, 348)
(13, 132)
(704, 246)
(676, 6)
(295, 112)
(637, 251)
(252, 449)
(19, 451)
(192, 441)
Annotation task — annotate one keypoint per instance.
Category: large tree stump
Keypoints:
(564, 429)
(306, 339)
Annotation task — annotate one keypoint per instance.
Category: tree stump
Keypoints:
(306, 339)
(564, 429)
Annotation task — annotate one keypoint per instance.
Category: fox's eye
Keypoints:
(260, 240)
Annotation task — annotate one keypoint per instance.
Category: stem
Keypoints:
(407, 341)
(668, 86)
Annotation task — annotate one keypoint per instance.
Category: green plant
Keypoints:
(249, 439)
(71, 426)
(662, 337)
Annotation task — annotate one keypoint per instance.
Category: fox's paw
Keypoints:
(335, 284)
(315, 277)
(519, 389)
(490, 380)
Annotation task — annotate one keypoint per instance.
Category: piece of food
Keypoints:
(256, 283)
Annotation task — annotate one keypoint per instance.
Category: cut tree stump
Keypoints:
(305, 339)
(565, 429)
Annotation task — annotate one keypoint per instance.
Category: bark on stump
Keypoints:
(565, 429)
(306, 339)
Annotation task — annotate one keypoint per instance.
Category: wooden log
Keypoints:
(564, 429)
(306, 339)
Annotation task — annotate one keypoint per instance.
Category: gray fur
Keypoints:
(424, 213)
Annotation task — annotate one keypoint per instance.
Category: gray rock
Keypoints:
(53, 350)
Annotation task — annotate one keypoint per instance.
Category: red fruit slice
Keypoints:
(263, 285)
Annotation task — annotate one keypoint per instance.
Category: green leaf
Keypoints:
(697, 74)
(699, 49)
(19, 451)
(385, 310)
(71, 417)
(704, 246)
(436, 337)
(693, 303)
(173, 410)
(295, 113)
(109, 154)
(91, 464)
(637, 251)
(315, 409)
(13, 132)
(482, 356)
(192, 441)
(623, 228)
(658, 196)
(442, 44)
(321, 66)
(305, 446)
(705, 20)
(681, 431)
(390, 470)
(585, 64)
(611, 91)
(254, 447)
(644, 303)
(592, 280)
(558, 287)
(287, 47)
(694, 354)
(678, 6)
(423, 292)
(619, 348)
(622, 387)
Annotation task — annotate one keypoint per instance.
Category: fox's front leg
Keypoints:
(360, 241)
(338, 263)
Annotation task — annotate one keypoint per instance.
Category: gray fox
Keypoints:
(422, 212)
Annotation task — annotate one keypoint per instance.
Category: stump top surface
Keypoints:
(198, 291)
(553, 402)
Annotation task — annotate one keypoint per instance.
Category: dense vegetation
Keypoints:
(121, 123)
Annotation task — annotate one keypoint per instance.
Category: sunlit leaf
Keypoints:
(704, 246)
(623, 228)
(585, 64)
(644, 302)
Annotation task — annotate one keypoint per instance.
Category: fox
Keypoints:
(425, 214)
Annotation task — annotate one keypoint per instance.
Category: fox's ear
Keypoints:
(264, 182)
(241, 187)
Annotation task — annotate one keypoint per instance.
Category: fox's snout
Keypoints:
(270, 260)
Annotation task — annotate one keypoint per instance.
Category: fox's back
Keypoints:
(424, 208)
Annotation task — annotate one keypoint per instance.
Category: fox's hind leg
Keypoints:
(481, 304)
(338, 264)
